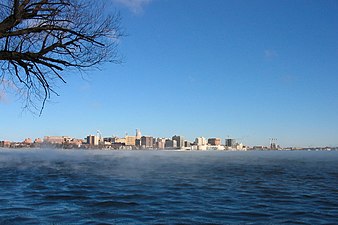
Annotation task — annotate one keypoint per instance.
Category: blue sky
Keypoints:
(251, 70)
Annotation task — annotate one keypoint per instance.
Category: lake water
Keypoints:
(168, 187)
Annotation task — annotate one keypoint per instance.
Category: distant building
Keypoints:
(5, 144)
(215, 147)
(76, 141)
(118, 140)
(240, 146)
(93, 140)
(187, 144)
(56, 139)
(38, 141)
(138, 142)
(230, 143)
(146, 142)
(200, 141)
(169, 144)
(160, 143)
(138, 134)
(130, 140)
(273, 144)
(214, 141)
(27, 141)
(179, 140)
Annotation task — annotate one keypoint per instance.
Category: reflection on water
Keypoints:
(167, 187)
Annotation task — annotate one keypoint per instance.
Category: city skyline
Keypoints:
(251, 70)
(138, 139)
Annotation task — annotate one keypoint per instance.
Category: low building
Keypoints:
(118, 140)
(200, 141)
(56, 139)
(146, 142)
(130, 140)
(214, 141)
(27, 141)
(215, 147)
(38, 141)
(5, 144)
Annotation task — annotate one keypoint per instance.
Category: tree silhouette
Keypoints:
(41, 38)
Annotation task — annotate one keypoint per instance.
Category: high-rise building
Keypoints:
(230, 142)
(214, 141)
(93, 140)
(179, 140)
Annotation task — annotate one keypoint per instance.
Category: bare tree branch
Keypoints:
(39, 39)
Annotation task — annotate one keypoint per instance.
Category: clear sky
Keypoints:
(250, 70)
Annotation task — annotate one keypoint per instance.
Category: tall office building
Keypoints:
(179, 140)
(230, 142)
(93, 140)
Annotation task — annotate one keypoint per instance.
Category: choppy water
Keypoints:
(153, 187)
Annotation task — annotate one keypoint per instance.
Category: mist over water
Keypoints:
(168, 187)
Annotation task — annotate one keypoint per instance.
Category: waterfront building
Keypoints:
(202, 147)
(175, 144)
(56, 139)
(179, 140)
(38, 141)
(93, 140)
(240, 146)
(200, 141)
(170, 143)
(214, 141)
(138, 142)
(5, 144)
(215, 147)
(27, 141)
(118, 140)
(130, 140)
(231, 143)
(160, 143)
(108, 139)
(146, 142)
